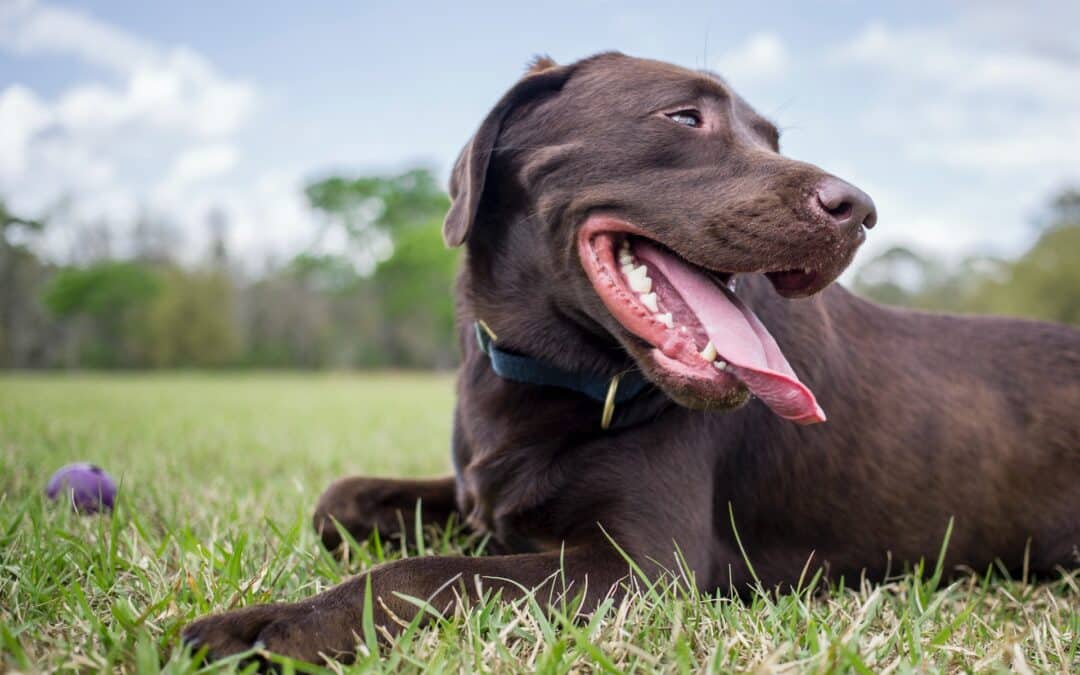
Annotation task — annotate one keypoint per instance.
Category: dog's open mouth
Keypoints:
(702, 336)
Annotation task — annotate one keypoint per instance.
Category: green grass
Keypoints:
(219, 475)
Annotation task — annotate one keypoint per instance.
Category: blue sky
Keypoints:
(958, 119)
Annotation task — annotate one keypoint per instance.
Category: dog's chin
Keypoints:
(689, 385)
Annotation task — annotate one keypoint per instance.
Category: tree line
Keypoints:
(384, 301)
(1042, 283)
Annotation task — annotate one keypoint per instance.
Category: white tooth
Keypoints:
(649, 300)
(640, 271)
(625, 245)
(626, 259)
(627, 270)
(709, 353)
(640, 284)
(731, 284)
(666, 320)
(720, 365)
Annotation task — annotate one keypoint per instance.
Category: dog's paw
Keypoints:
(301, 631)
(224, 635)
(360, 505)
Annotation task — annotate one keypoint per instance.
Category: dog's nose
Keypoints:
(845, 205)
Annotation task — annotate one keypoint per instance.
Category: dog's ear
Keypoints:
(470, 170)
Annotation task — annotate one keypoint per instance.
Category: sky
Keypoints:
(960, 119)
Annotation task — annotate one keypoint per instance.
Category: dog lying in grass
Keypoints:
(658, 372)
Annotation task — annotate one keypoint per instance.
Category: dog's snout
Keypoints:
(845, 205)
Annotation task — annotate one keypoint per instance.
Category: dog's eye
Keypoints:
(689, 118)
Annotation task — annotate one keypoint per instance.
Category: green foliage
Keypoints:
(392, 203)
(330, 273)
(112, 297)
(190, 322)
(138, 315)
(900, 276)
(1043, 283)
(383, 301)
(409, 312)
(101, 290)
(414, 288)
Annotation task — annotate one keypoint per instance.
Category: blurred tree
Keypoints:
(395, 253)
(389, 203)
(327, 273)
(153, 240)
(190, 322)
(1064, 209)
(415, 298)
(895, 277)
(285, 324)
(113, 296)
(1044, 283)
(26, 334)
(217, 226)
(10, 220)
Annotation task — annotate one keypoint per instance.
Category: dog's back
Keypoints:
(932, 418)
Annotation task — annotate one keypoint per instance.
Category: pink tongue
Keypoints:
(740, 338)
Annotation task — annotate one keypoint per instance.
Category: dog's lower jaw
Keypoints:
(688, 398)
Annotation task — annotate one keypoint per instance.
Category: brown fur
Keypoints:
(931, 417)
(540, 63)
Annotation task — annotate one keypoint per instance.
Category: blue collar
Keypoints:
(610, 391)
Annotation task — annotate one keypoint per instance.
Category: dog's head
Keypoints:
(626, 195)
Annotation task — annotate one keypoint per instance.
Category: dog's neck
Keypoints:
(542, 340)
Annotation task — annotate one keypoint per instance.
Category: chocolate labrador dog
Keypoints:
(654, 359)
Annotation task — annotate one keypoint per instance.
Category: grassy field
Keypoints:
(219, 475)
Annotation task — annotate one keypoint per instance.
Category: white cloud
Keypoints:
(268, 218)
(22, 115)
(153, 132)
(944, 58)
(177, 91)
(761, 57)
(981, 123)
(195, 165)
(174, 89)
(1047, 145)
(953, 99)
(27, 27)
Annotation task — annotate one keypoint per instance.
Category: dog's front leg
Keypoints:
(362, 505)
(330, 625)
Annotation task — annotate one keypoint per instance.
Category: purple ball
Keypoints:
(86, 486)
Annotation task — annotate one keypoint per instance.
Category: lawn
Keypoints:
(219, 474)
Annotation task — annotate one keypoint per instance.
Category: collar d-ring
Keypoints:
(609, 402)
